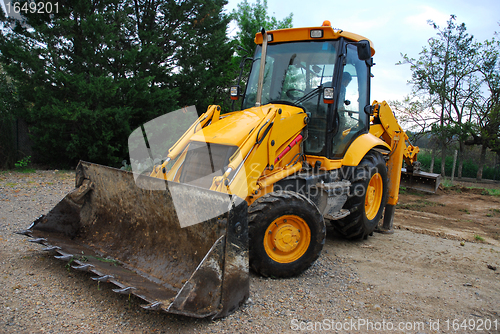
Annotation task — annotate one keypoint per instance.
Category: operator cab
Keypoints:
(300, 68)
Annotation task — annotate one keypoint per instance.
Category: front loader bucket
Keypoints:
(133, 238)
(428, 182)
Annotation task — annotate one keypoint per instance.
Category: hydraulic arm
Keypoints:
(385, 126)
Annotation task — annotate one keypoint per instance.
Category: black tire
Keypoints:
(276, 222)
(364, 217)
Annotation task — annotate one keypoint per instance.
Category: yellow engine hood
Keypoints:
(233, 128)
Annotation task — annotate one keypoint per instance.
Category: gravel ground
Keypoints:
(406, 281)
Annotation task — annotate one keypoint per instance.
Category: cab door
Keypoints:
(350, 119)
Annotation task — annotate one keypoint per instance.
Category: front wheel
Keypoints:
(368, 198)
(287, 233)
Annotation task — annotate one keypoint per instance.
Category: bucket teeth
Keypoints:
(153, 306)
(125, 291)
(104, 278)
(83, 267)
(51, 248)
(38, 240)
(24, 232)
(64, 257)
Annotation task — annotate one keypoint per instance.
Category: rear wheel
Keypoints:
(369, 196)
(287, 233)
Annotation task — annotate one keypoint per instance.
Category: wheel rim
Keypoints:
(287, 239)
(373, 198)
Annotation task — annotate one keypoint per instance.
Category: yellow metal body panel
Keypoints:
(304, 34)
(287, 123)
(228, 130)
(179, 146)
(389, 127)
(377, 130)
(326, 164)
(394, 168)
(260, 133)
(360, 146)
(391, 132)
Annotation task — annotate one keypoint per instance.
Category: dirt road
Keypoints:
(429, 276)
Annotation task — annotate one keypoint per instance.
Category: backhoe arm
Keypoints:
(384, 125)
(387, 127)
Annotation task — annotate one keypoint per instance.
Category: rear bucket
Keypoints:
(422, 181)
(133, 238)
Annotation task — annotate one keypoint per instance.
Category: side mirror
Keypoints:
(234, 92)
(364, 51)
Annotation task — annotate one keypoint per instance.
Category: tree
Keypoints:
(487, 107)
(251, 18)
(206, 67)
(9, 107)
(446, 71)
(95, 70)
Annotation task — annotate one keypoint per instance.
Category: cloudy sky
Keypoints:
(394, 26)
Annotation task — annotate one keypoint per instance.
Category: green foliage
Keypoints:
(469, 168)
(488, 109)
(493, 192)
(478, 238)
(23, 163)
(250, 19)
(90, 74)
(206, 67)
(446, 183)
(9, 106)
(456, 90)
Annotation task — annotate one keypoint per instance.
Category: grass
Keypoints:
(447, 184)
(464, 210)
(26, 170)
(478, 237)
(493, 212)
(493, 192)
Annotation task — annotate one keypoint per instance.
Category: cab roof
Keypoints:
(325, 32)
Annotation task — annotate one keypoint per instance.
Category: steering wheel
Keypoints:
(295, 94)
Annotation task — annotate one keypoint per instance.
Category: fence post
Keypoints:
(453, 169)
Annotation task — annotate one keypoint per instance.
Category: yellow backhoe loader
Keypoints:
(249, 188)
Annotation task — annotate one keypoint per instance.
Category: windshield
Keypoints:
(293, 72)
